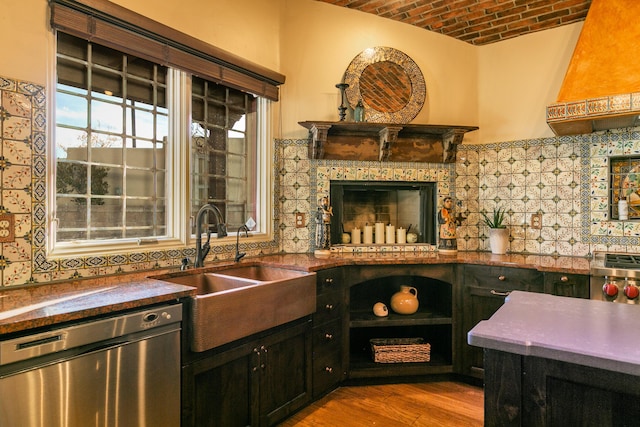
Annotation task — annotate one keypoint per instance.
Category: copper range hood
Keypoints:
(601, 88)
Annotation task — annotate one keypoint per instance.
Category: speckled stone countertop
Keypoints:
(597, 334)
(569, 265)
(46, 304)
(43, 305)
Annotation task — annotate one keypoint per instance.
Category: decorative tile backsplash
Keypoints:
(565, 179)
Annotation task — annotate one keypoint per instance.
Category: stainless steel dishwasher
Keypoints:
(118, 371)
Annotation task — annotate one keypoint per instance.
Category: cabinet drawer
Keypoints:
(328, 307)
(567, 285)
(328, 280)
(327, 338)
(327, 373)
(504, 279)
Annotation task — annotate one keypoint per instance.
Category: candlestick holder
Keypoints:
(342, 110)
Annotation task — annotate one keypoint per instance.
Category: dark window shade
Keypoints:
(108, 24)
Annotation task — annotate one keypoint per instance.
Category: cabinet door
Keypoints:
(285, 371)
(484, 289)
(222, 390)
(479, 304)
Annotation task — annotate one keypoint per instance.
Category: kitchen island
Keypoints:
(553, 360)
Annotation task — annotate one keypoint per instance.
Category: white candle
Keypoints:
(401, 236)
(355, 236)
(380, 233)
(391, 234)
(368, 234)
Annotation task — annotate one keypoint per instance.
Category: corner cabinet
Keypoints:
(433, 321)
(384, 141)
(255, 382)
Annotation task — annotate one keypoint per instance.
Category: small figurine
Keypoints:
(448, 223)
(323, 227)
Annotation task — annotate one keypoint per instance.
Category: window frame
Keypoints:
(179, 219)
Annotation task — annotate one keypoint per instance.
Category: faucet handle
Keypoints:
(222, 230)
(205, 250)
(185, 264)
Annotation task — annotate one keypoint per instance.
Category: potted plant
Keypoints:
(498, 233)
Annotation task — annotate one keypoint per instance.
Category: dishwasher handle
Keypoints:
(39, 341)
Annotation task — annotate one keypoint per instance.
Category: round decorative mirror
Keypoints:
(389, 84)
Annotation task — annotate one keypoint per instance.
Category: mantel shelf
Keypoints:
(384, 141)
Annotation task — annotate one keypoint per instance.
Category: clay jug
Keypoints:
(405, 301)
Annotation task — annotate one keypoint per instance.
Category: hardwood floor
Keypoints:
(445, 403)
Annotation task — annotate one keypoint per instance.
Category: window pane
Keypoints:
(71, 144)
(107, 190)
(236, 166)
(223, 144)
(140, 183)
(106, 116)
(73, 111)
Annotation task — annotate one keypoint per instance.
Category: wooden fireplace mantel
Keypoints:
(384, 141)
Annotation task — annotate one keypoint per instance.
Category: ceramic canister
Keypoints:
(405, 301)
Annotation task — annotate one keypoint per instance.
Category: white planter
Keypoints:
(498, 240)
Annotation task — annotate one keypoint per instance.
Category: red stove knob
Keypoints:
(631, 291)
(610, 289)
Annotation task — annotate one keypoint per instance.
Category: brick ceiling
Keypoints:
(477, 22)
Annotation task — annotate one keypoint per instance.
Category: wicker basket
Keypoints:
(400, 350)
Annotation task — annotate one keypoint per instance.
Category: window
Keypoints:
(119, 145)
(223, 140)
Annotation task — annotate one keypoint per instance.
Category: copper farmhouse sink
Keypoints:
(236, 302)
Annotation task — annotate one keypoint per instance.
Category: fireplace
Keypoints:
(401, 204)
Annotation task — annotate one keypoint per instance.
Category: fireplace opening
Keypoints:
(409, 205)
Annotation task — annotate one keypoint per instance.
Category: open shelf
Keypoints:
(432, 322)
(362, 366)
(362, 318)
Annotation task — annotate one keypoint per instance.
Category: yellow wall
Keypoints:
(24, 35)
(320, 40)
(222, 23)
(503, 87)
(518, 78)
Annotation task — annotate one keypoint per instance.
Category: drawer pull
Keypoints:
(328, 280)
(328, 369)
(328, 336)
(500, 294)
(564, 279)
(502, 278)
(329, 307)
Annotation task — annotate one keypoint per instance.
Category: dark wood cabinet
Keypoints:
(532, 391)
(484, 289)
(327, 332)
(254, 383)
(566, 285)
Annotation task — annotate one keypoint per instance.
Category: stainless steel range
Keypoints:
(615, 277)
